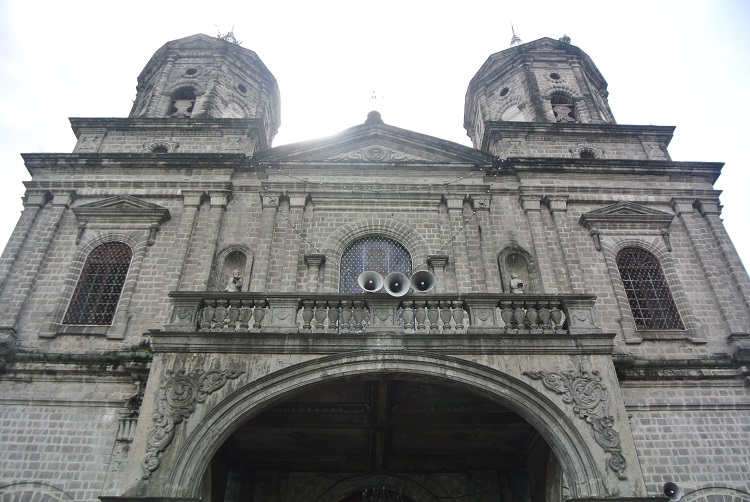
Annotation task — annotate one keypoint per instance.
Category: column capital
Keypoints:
(481, 202)
(707, 207)
(192, 197)
(315, 259)
(219, 198)
(682, 205)
(270, 200)
(64, 199)
(455, 202)
(556, 202)
(531, 202)
(36, 198)
(297, 199)
(438, 260)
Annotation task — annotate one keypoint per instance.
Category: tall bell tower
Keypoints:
(198, 94)
(541, 81)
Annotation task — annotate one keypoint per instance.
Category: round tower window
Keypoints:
(242, 88)
(191, 71)
(504, 92)
(555, 76)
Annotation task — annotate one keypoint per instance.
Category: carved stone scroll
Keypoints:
(179, 394)
(590, 402)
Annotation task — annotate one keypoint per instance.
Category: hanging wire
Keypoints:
(294, 228)
(453, 237)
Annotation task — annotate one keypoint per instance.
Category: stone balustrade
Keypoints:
(379, 313)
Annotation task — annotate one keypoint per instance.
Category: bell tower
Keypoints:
(541, 81)
(205, 77)
(198, 94)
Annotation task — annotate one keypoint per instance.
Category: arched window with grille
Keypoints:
(376, 253)
(99, 287)
(648, 292)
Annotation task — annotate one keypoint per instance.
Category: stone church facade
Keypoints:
(181, 318)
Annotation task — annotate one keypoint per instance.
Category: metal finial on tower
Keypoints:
(515, 40)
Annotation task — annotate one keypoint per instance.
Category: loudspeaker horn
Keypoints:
(370, 281)
(672, 491)
(422, 281)
(397, 284)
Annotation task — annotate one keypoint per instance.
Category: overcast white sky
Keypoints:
(676, 63)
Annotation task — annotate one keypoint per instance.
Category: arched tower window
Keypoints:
(376, 253)
(563, 107)
(647, 290)
(98, 290)
(183, 101)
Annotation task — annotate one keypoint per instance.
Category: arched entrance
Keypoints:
(380, 435)
(247, 430)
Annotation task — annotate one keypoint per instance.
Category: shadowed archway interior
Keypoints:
(359, 432)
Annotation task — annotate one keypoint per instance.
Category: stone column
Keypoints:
(191, 201)
(558, 207)
(31, 258)
(313, 262)
(460, 255)
(531, 205)
(32, 206)
(270, 204)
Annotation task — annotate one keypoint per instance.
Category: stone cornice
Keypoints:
(57, 161)
(325, 344)
(163, 123)
(572, 130)
(708, 171)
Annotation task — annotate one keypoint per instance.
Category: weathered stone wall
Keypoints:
(691, 433)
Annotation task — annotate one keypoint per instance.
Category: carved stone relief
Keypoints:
(180, 392)
(590, 402)
(655, 152)
(376, 154)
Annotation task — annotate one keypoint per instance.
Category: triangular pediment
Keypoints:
(377, 143)
(121, 208)
(628, 214)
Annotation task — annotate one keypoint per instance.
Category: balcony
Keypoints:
(251, 322)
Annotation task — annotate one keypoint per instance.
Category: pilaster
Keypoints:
(558, 207)
(714, 265)
(32, 206)
(531, 205)
(711, 212)
(33, 256)
(461, 258)
(490, 274)
(270, 204)
(438, 263)
(191, 201)
(313, 262)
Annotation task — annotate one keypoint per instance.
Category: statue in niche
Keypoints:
(234, 285)
(516, 283)
(515, 271)
(232, 272)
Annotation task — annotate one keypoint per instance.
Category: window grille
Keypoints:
(98, 290)
(380, 254)
(648, 293)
